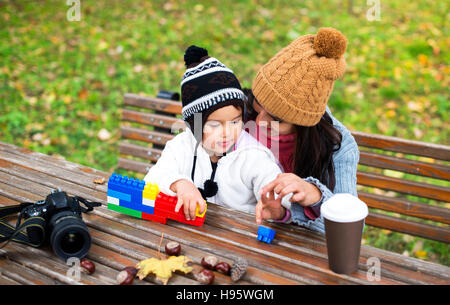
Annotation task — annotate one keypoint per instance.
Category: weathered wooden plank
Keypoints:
(148, 153)
(133, 165)
(60, 162)
(169, 123)
(441, 234)
(23, 275)
(53, 171)
(147, 136)
(415, 167)
(37, 260)
(153, 103)
(404, 186)
(406, 207)
(4, 280)
(435, 151)
(15, 175)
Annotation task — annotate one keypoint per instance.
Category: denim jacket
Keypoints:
(345, 163)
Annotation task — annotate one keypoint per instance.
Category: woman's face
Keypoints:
(265, 119)
(222, 129)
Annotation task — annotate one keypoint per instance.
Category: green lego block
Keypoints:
(124, 210)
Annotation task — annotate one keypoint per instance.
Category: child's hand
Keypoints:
(269, 208)
(188, 197)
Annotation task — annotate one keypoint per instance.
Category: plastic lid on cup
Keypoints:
(344, 207)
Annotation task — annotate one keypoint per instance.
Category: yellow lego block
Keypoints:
(197, 209)
(150, 191)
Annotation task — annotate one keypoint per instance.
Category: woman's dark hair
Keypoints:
(314, 147)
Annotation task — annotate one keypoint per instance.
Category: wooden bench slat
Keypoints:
(153, 103)
(133, 165)
(404, 186)
(148, 136)
(435, 151)
(134, 150)
(406, 207)
(161, 121)
(415, 167)
(409, 227)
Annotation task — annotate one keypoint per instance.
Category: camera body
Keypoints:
(67, 233)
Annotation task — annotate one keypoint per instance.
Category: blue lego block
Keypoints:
(146, 209)
(265, 234)
(127, 186)
(119, 195)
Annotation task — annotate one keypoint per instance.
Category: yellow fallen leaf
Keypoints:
(421, 254)
(163, 268)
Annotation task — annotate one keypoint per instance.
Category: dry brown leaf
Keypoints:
(99, 180)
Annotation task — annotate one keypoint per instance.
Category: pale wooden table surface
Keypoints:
(296, 255)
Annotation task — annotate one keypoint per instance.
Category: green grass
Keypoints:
(62, 82)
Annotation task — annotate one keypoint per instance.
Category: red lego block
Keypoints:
(156, 218)
(165, 207)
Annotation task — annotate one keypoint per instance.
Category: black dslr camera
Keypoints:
(59, 219)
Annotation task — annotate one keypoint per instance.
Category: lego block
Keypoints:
(128, 190)
(151, 190)
(265, 234)
(112, 200)
(124, 210)
(119, 195)
(136, 198)
(148, 202)
(197, 213)
(156, 218)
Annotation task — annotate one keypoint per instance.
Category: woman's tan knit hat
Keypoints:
(296, 83)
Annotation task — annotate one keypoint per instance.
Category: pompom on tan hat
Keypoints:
(296, 83)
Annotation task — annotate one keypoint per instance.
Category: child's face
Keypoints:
(222, 129)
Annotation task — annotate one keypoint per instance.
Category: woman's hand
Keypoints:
(304, 193)
(269, 208)
(188, 197)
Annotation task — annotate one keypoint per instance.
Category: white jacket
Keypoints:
(240, 174)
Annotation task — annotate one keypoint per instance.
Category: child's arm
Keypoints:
(171, 166)
(171, 173)
(261, 168)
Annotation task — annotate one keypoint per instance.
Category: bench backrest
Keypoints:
(406, 184)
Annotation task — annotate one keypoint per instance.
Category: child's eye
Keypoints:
(213, 124)
(237, 122)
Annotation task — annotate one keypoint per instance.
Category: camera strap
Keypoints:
(90, 204)
(32, 231)
(20, 232)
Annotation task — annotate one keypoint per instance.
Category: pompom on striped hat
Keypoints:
(207, 85)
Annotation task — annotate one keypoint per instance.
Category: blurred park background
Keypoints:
(62, 82)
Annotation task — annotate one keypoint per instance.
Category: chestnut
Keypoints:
(209, 262)
(126, 276)
(87, 266)
(223, 267)
(173, 248)
(205, 277)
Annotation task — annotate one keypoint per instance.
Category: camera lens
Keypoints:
(70, 236)
(72, 242)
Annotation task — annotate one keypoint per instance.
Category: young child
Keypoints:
(213, 159)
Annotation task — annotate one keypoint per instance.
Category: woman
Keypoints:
(317, 152)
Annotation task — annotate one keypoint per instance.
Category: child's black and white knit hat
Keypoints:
(207, 85)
